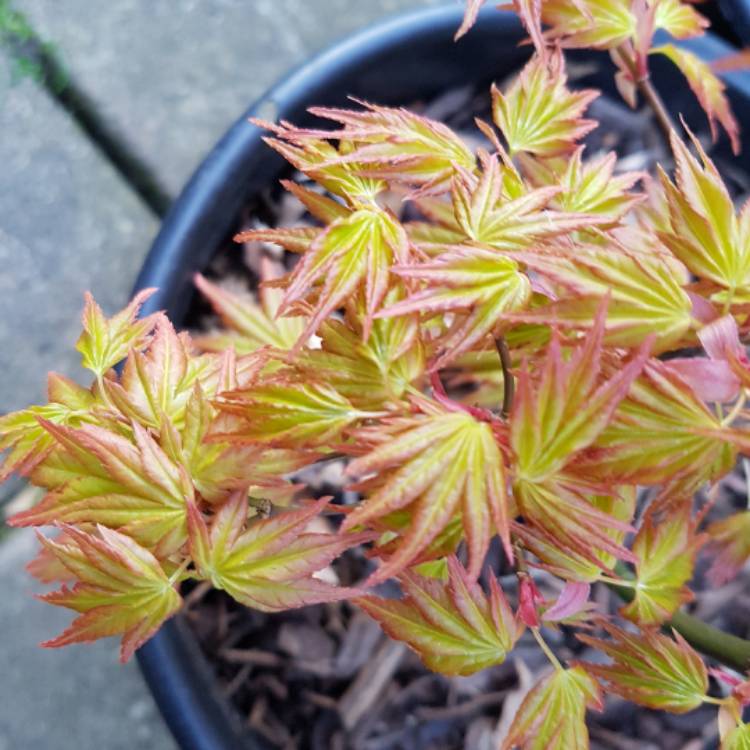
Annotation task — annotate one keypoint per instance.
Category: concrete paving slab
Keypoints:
(174, 75)
(68, 223)
(74, 698)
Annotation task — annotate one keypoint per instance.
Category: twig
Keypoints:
(509, 382)
(650, 94)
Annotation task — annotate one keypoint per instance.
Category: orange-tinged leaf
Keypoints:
(588, 187)
(105, 342)
(372, 374)
(666, 552)
(271, 564)
(538, 114)
(98, 476)
(121, 588)
(644, 288)
(660, 433)
(24, 437)
(651, 669)
(679, 19)
(481, 287)
(399, 145)
(454, 627)
(552, 716)
(439, 465)
(707, 87)
(352, 255)
(704, 231)
(252, 324)
(602, 24)
(285, 413)
(730, 547)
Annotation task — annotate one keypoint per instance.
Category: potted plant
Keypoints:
(540, 337)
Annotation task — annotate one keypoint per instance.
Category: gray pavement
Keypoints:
(168, 76)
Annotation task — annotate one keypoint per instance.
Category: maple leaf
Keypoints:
(601, 24)
(530, 13)
(120, 589)
(437, 463)
(538, 114)
(704, 231)
(157, 382)
(251, 324)
(588, 187)
(569, 563)
(24, 437)
(100, 477)
(399, 145)
(351, 254)
(552, 422)
(454, 627)
(482, 285)
(372, 374)
(707, 87)
(284, 412)
(644, 289)
(662, 433)
(679, 19)
(730, 547)
(737, 738)
(271, 564)
(105, 342)
(651, 669)
(552, 716)
(665, 554)
(470, 17)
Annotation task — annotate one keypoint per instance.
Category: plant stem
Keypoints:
(730, 650)
(547, 650)
(651, 95)
(509, 383)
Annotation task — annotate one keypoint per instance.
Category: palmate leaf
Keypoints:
(156, 383)
(373, 374)
(570, 563)
(97, 476)
(552, 716)
(662, 433)
(352, 255)
(588, 187)
(538, 114)
(250, 324)
(286, 412)
(553, 420)
(665, 554)
(120, 589)
(22, 433)
(645, 292)
(271, 564)
(398, 145)
(602, 24)
(707, 87)
(105, 342)
(454, 627)
(737, 738)
(479, 285)
(678, 18)
(704, 231)
(651, 669)
(438, 463)
(729, 546)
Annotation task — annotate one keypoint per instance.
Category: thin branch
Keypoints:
(651, 95)
(509, 382)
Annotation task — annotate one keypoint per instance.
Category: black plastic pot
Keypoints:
(400, 61)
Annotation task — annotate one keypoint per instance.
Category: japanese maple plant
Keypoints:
(549, 351)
